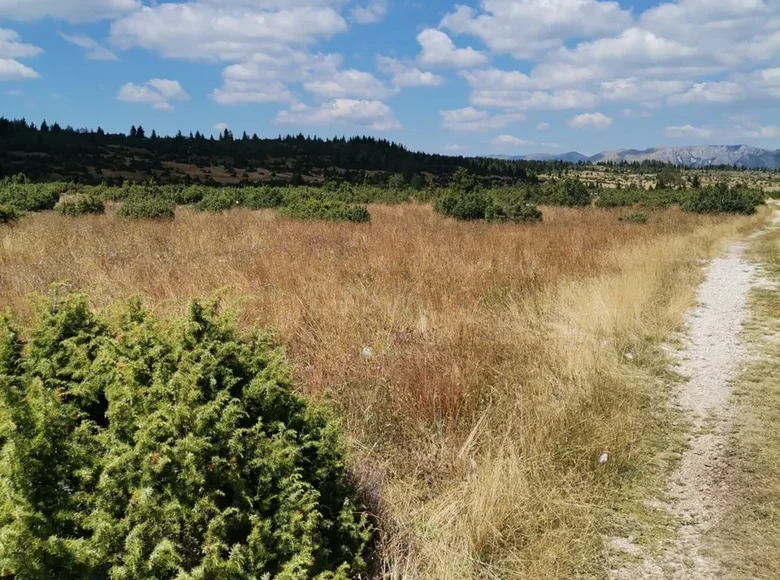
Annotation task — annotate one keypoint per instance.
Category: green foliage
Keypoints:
(463, 204)
(81, 205)
(569, 192)
(21, 195)
(134, 449)
(520, 212)
(145, 207)
(723, 199)
(328, 210)
(634, 218)
(263, 197)
(221, 200)
(8, 214)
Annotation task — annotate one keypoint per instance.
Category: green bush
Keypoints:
(138, 450)
(634, 218)
(463, 205)
(569, 192)
(221, 200)
(328, 210)
(8, 214)
(143, 207)
(81, 205)
(723, 199)
(30, 197)
(263, 197)
(518, 213)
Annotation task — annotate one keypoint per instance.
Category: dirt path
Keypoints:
(711, 358)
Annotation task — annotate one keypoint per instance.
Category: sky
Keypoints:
(508, 77)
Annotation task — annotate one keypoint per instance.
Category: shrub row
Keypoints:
(328, 210)
(81, 205)
(8, 214)
(145, 207)
(136, 449)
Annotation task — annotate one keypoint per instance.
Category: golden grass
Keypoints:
(479, 369)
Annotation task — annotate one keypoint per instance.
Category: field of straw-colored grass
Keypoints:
(479, 369)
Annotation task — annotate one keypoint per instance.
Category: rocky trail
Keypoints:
(713, 355)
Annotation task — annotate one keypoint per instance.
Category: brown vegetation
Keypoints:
(480, 369)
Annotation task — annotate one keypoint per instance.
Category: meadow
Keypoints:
(480, 370)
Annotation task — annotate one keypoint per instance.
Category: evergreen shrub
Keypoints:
(8, 214)
(135, 449)
(328, 210)
(81, 205)
(147, 207)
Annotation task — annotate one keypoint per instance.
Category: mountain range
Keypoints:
(694, 156)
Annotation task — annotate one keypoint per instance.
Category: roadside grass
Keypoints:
(480, 370)
(749, 534)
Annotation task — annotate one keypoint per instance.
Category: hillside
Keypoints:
(54, 153)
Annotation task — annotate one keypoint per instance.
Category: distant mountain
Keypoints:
(695, 156)
(698, 156)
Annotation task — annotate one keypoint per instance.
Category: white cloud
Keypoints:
(439, 50)
(640, 90)
(371, 13)
(70, 10)
(155, 92)
(510, 141)
(510, 89)
(11, 70)
(542, 126)
(230, 30)
(590, 121)
(688, 131)
(93, 50)
(749, 129)
(472, 120)
(220, 127)
(529, 28)
(11, 48)
(365, 113)
(714, 92)
(454, 148)
(263, 78)
(349, 83)
(407, 76)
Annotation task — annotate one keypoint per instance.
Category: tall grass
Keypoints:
(480, 369)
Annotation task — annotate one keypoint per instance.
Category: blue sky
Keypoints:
(475, 77)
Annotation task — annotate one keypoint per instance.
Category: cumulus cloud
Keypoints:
(93, 50)
(510, 141)
(11, 49)
(406, 75)
(542, 126)
(473, 120)
(221, 127)
(231, 31)
(439, 50)
(688, 131)
(156, 92)
(715, 92)
(510, 89)
(529, 28)
(349, 83)
(70, 10)
(364, 113)
(370, 13)
(590, 121)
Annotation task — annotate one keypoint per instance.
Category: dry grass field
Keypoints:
(480, 370)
